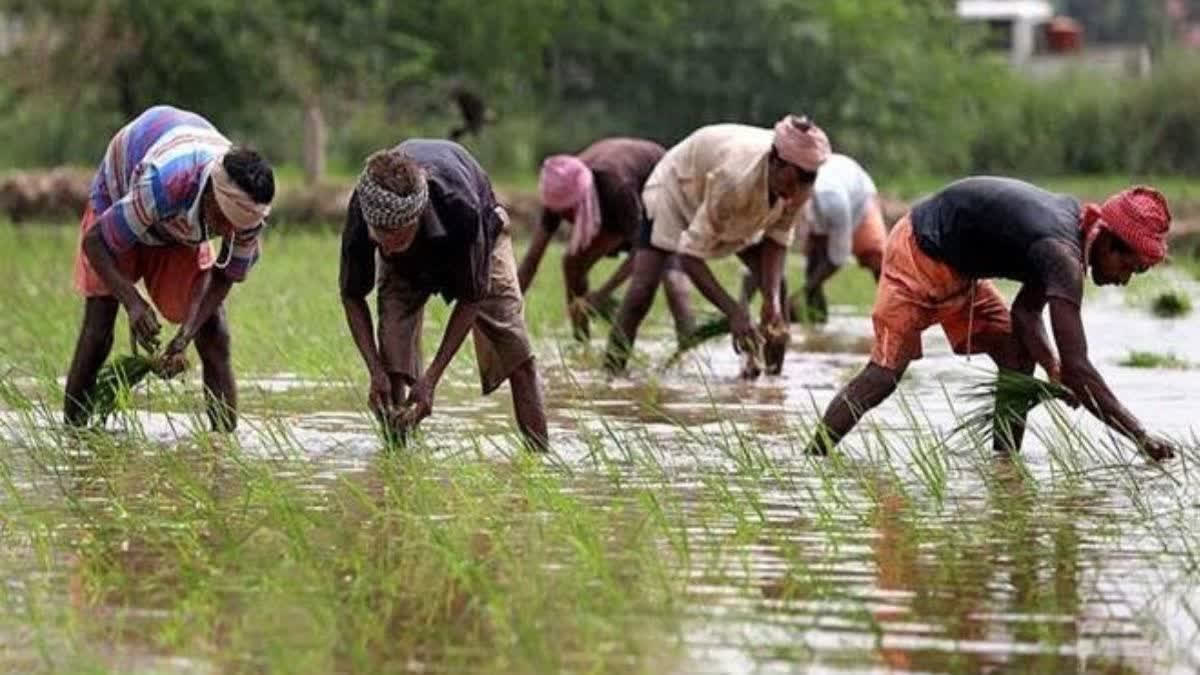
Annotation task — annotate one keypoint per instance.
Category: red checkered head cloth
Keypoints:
(1139, 216)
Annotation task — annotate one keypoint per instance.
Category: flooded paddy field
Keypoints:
(676, 527)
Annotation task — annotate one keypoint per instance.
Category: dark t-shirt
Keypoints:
(988, 227)
(620, 167)
(452, 251)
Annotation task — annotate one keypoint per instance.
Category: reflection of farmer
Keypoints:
(936, 269)
(168, 182)
(427, 209)
(725, 189)
(600, 191)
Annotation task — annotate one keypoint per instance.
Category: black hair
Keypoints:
(395, 172)
(251, 172)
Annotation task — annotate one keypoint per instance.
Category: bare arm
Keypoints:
(356, 280)
(710, 288)
(420, 398)
(774, 255)
(743, 330)
(462, 318)
(204, 303)
(618, 277)
(533, 257)
(141, 316)
(1082, 378)
(362, 329)
(105, 264)
(1031, 330)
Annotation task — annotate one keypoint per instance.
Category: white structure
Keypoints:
(1020, 19)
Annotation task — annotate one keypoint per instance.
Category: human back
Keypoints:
(985, 226)
(625, 161)
(842, 177)
(734, 150)
(165, 136)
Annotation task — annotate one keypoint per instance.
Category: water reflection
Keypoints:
(1005, 567)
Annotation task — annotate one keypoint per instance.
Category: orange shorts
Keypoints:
(870, 234)
(917, 292)
(169, 273)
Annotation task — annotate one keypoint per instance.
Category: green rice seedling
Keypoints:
(1171, 304)
(606, 311)
(801, 312)
(1155, 360)
(710, 328)
(117, 377)
(1004, 399)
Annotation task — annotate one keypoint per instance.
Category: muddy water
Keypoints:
(871, 566)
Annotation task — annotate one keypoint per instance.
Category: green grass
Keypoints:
(1154, 360)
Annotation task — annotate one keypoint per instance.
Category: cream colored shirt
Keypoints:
(708, 195)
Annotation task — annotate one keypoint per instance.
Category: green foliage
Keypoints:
(710, 328)
(1154, 360)
(900, 85)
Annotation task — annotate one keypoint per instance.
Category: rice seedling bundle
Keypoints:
(1005, 399)
(714, 326)
(606, 311)
(116, 379)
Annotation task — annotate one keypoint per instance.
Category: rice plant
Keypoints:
(1171, 304)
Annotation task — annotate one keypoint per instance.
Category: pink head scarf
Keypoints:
(567, 184)
(1139, 216)
(801, 142)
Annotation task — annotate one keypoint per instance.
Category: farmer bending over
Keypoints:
(726, 188)
(936, 268)
(167, 184)
(600, 191)
(843, 218)
(427, 209)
